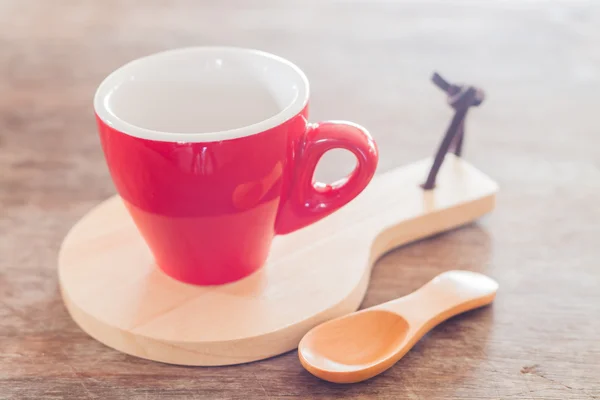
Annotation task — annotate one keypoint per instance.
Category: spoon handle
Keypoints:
(447, 295)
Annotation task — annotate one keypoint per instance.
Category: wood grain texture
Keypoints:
(370, 62)
(311, 276)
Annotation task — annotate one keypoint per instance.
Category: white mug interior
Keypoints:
(201, 94)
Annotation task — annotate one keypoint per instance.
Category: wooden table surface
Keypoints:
(537, 134)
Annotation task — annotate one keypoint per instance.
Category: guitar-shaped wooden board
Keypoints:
(115, 293)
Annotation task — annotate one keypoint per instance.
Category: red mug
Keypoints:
(212, 154)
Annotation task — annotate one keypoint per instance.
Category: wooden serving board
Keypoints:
(115, 293)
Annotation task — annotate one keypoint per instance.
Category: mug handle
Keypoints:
(310, 201)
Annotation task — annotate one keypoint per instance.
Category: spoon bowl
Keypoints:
(329, 346)
(361, 345)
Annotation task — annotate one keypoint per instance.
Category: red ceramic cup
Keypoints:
(212, 154)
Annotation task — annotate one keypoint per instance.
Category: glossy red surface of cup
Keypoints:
(208, 210)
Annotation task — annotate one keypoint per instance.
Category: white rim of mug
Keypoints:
(111, 119)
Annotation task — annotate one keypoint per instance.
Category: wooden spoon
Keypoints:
(363, 344)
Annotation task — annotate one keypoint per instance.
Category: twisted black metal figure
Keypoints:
(461, 98)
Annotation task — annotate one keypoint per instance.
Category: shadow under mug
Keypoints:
(212, 154)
